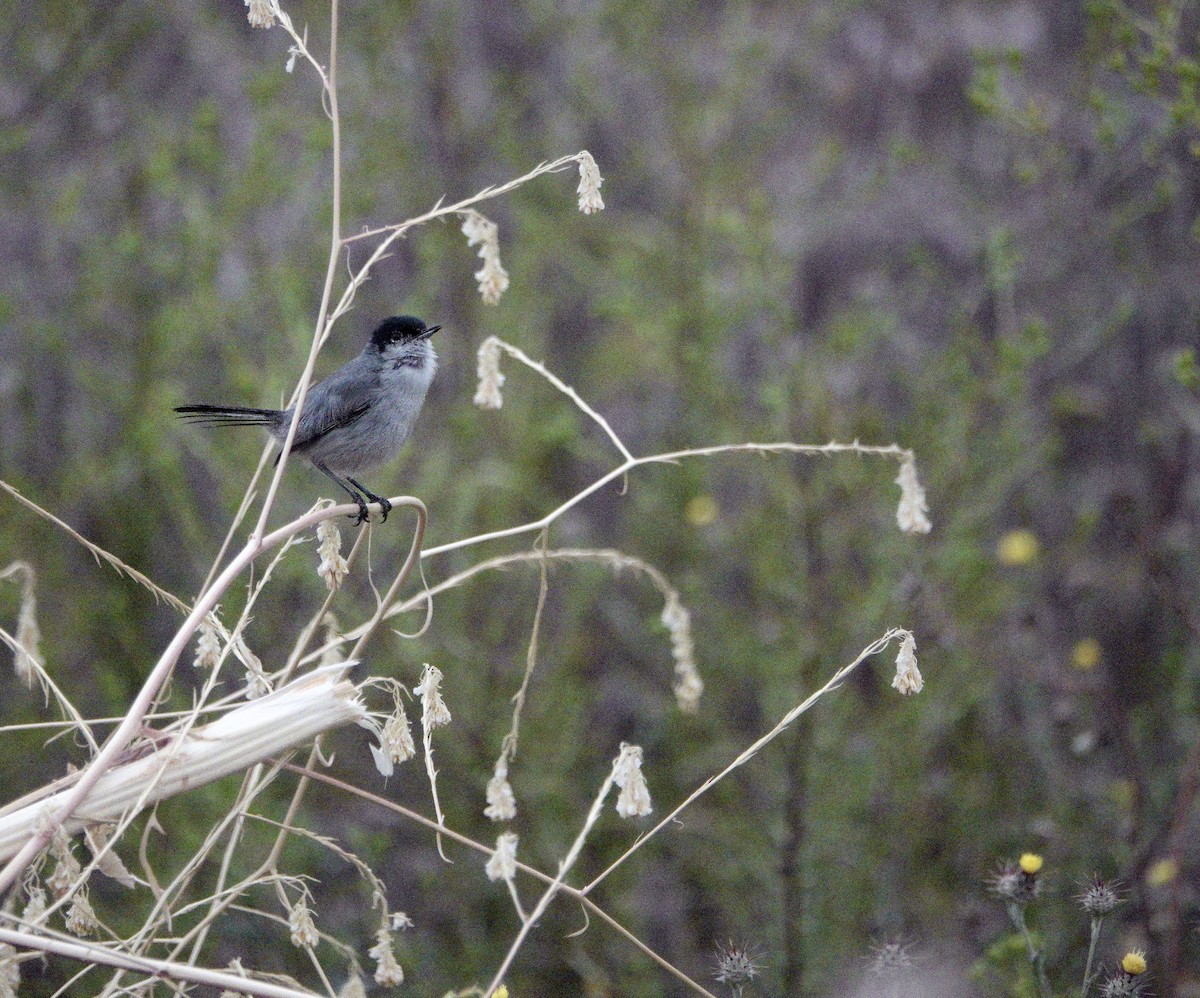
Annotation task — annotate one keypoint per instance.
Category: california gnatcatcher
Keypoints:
(359, 417)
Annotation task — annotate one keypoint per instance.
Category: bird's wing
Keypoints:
(330, 420)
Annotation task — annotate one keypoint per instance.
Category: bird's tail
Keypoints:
(230, 415)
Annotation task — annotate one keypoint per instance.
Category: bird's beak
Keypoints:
(428, 332)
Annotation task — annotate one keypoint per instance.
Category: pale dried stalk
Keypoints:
(263, 728)
(894, 451)
(747, 754)
(105, 956)
(132, 721)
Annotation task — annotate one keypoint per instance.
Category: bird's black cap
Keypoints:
(401, 328)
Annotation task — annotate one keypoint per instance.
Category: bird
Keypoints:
(357, 418)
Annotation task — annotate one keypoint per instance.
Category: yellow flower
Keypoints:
(1031, 863)
(1162, 873)
(500, 992)
(1085, 656)
(1134, 963)
(1017, 547)
(701, 511)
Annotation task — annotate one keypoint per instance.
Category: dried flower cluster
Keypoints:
(502, 865)
(501, 802)
(333, 567)
(908, 677)
(492, 277)
(590, 180)
(688, 684)
(634, 799)
(912, 513)
(490, 379)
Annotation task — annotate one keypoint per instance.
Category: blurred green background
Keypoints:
(969, 228)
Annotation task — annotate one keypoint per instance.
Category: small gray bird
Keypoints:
(359, 417)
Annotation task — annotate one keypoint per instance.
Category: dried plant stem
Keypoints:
(95, 954)
(891, 450)
(485, 850)
(567, 390)
(132, 722)
(335, 242)
(747, 754)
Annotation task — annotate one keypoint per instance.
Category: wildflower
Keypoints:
(388, 971)
(492, 278)
(1015, 883)
(912, 512)
(434, 712)
(1017, 547)
(490, 379)
(589, 185)
(1128, 981)
(399, 921)
(1162, 872)
(1134, 963)
(501, 802)
(1086, 654)
(701, 511)
(737, 966)
(502, 865)
(333, 567)
(688, 684)
(81, 919)
(634, 798)
(260, 14)
(908, 677)
(1030, 863)
(208, 644)
(300, 921)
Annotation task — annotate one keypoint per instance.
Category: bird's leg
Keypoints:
(362, 506)
(384, 505)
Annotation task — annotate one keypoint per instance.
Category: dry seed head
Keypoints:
(492, 278)
(634, 798)
(260, 14)
(912, 512)
(333, 567)
(388, 971)
(736, 965)
(502, 864)
(490, 379)
(891, 958)
(300, 922)
(208, 644)
(1099, 897)
(501, 802)
(81, 919)
(434, 712)
(908, 677)
(589, 185)
(35, 907)
(688, 684)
